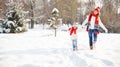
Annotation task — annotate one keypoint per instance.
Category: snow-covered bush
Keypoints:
(1, 25)
(15, 20)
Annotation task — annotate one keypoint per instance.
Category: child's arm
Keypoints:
(69, 29)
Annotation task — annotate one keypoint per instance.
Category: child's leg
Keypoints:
(76, 44)
(73, 44)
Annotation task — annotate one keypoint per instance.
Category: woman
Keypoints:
(93, 21)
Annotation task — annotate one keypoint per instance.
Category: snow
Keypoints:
(39, 48)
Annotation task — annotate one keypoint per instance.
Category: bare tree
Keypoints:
(67, 8)
(32, 5)
(3, 8)
(90, 5)
(109, 14)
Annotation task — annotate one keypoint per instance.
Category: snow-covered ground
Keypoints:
(39, 48)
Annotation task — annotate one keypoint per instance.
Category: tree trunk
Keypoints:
(32, 15)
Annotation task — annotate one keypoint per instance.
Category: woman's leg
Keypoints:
(95, 35)
(90, 37)
(90, 32)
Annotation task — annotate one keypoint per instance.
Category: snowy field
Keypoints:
(39, 48)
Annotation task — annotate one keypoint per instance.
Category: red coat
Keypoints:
(73, 30)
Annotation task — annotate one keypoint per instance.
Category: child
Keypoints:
(93, 21)
(73, 34)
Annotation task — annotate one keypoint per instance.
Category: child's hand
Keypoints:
(69, 29)
(83, 27)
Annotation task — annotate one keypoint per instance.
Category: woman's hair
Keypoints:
(91, 12)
